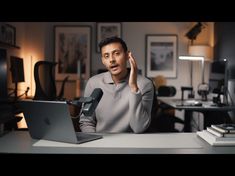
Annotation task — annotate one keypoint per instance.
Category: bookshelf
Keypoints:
(8, 46)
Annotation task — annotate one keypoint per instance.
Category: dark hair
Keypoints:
(114, 39)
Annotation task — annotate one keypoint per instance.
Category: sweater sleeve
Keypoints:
(140, 104)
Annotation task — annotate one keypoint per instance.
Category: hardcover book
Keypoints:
(225, 128)
(215, 140)
(219, 133)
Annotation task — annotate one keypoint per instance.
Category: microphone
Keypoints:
(87, 105)
(90, 107)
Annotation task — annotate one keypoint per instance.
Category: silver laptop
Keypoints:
(51, 120)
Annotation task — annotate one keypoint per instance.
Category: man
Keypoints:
(127, 97)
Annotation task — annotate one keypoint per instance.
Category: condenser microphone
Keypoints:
(90, 107)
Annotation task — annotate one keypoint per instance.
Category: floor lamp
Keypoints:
(191, 59)
(200, 53)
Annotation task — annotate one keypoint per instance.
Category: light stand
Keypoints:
(203, 88)
(191, 95)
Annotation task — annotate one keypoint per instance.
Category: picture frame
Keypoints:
(7, 34)
(161, 55)
(72, 52)
(105, 30)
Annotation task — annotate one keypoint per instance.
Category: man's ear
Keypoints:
(127, 55)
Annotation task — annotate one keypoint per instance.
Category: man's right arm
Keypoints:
(87, 123)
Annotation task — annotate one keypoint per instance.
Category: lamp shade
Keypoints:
(201, 50)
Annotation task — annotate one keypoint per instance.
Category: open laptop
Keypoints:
(51, 120)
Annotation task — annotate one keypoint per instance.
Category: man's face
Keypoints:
(114, 58)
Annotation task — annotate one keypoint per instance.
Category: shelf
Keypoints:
(6, 45)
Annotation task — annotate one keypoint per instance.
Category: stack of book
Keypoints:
(219, 135)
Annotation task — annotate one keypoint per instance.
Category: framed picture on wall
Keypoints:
(7, 34)
(161, 55)
(105, 30)
(72, 52)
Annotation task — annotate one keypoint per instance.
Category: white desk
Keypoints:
(20, 142)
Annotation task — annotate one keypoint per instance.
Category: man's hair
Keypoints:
(114, 39)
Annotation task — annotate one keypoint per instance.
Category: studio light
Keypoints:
(194, 31)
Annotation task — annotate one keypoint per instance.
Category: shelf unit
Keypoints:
(7, 46)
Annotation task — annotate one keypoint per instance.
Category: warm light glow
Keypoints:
(201, 50)
(191, 58)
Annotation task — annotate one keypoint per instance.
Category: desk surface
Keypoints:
(158, 143)
(186, 105)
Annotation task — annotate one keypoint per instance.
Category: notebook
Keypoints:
(51, 120)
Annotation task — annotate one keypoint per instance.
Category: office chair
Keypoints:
(163, 120)
(166, 91)
(45, 82)
(171, 119)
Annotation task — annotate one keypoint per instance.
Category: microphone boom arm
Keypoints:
(80, 101)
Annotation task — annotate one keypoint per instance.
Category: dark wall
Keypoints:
(225, 45)
(224, 40)
(3, 74)
(225, 49)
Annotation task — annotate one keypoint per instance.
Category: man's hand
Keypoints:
(133, 74)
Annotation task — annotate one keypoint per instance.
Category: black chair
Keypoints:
(9, 111)
(161, 119)
(44, 75)
(166, 91)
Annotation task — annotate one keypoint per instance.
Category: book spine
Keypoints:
(223, 129)
(215, 132)
(219, 129)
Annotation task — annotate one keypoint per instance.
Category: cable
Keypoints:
(229, 97)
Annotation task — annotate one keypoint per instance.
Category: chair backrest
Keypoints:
(44, 75)
(166, 91)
